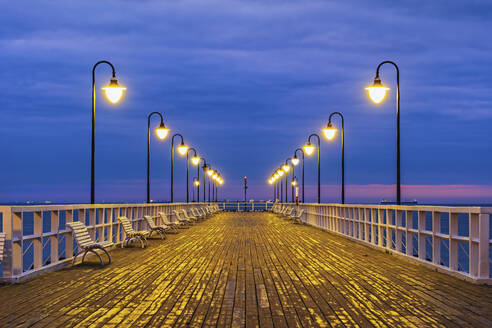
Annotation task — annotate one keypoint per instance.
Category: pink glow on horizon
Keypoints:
(134, 191)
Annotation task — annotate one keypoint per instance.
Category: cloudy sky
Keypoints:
(246, 82)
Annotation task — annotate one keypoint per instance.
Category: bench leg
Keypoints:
(100, 258)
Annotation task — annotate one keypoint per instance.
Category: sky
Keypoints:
(245, 83)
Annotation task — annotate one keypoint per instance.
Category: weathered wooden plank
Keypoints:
(247, 269)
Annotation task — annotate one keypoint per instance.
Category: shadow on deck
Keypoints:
(247, 269)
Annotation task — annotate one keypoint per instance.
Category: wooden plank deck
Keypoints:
(247, 269)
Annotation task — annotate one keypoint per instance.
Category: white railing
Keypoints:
(455, 240)
(38, 240)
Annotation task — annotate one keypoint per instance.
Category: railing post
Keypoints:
(421, 236)
(398, 232)
(55, 226)
(92, 222)
(483, 246)
(37, 243)
(387, 225)
(68, 236)
(381, 228)
(408, 233)
(374, 225)
(436, 240)
(474, 234)
(366, 225)
(453, 243)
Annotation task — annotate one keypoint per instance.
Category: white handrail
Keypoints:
(37, 239)
(403, 229)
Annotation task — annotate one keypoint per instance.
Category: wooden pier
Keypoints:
(247, 269)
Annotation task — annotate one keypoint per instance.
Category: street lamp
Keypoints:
(205, 169)
(280, 173)
(295, 161)
(330, 133)
(286, 168)
(377, 92)
(195, 160)
(210, 173)
(182, 149)
(215, 175)
(196, 183)
(309, 150)
(113, 92)
(161, 133)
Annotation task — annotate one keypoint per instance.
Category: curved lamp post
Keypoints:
(205, 170)
(294, 183)
(182, 149)
(330, 133)
(295, 161)
(377, 92)
(280, 173)
(198, 177)
(196, 183)
(113, 92)
(270, 182)
(195, 160)
(275, 179)
(215, 175)
(309, 150)
(286, 168)
(210, 173)
(217, 183)
(161, 133)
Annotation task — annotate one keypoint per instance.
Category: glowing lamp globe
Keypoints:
(280, 172)
(162, 132)
(195, 160)
(113, 91)
(197, 183)
(309, 148)
(377, 91)
(329, 132)
(294, 183)
(286, 168)
(295, 161)
(210, 172)
(182, 149)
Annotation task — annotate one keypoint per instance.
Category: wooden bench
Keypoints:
(160, 229)
(85, 242)
(173, 225)
(297, 217)
(132, 235)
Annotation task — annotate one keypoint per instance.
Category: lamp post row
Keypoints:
(377, 92)
(114, 93)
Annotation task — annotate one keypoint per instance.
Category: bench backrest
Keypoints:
(185, 214)
(3, 235)
(289, 211)
(299, 214)
(127, 226)
(164, 218)
(80, 234)
(195, 212)
(178, 217)
(150, 221)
